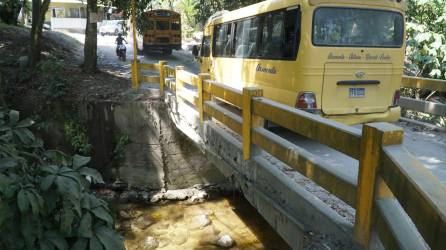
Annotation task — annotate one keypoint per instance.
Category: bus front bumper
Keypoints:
(149, 47)
(391, 115)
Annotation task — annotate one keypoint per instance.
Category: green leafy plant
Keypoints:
(45, 199)
(426, 45)
(54, 84)
(76, 133)
(119, 151)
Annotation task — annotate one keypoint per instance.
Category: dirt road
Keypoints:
(108, 60)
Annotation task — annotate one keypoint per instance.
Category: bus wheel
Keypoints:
(167, 52)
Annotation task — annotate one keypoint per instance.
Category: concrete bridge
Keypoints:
(389, 200)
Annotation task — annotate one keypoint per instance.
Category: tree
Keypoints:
(9, 11)
(91, 44)
(207, 8)
(426, 30)
(38, 16)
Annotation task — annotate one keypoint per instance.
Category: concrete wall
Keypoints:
(158, 156)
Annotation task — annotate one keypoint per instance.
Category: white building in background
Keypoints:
(70, 14)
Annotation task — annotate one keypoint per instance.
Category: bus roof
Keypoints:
(271, 5)
(162, 12)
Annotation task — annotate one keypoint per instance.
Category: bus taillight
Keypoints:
(396, 98)
(306, 100)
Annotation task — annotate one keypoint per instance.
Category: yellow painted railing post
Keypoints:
(374, 137)
(202, 96)
(135, 74)
(135, 67)
(178, 83)
(162, 71)
(248, 93)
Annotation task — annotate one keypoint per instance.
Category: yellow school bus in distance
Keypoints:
(342, 59)
(163, 31)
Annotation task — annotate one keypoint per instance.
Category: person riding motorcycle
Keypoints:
(119, 41)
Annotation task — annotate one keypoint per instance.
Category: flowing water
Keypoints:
(178, 225)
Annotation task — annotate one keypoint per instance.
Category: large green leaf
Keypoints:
(56, 239)
(52, 169)
(34, 202)
(31, 229)
(11, 190)
(95, 176)
(28, 122)
(68, 186)
(103, 214)
(109, 238)
(51, 201)
(95, 244)
(47, 181)
(46, 245)
(80, 244)
(39, 197)
(85, 226)
(14, 117)
(74, 175)
(66, 221)
(80, 161)
(94, 201)
(37, 143)
(22, 201)
(85, 201)
(75, 203)
(7, 162)
(25, 136)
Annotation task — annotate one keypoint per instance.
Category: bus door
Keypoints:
(204, 56)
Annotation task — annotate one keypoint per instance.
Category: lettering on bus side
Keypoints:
(271, 70)
(354, 56)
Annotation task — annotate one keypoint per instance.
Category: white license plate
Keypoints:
(356, 92)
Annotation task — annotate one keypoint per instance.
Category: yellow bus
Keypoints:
(342, 59)
(162, 31)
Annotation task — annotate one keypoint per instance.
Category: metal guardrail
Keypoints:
(422, 105)
(394, 194)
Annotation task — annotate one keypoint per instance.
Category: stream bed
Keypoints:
(227, 222)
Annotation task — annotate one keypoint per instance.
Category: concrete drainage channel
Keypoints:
(162, 169)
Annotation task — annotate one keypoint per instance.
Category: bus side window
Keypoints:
(272, 36)
(222, 41)
(206, 47)
(245, 43)
(280, 35)
(292, 33)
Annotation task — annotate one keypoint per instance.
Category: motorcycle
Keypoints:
(122, 52)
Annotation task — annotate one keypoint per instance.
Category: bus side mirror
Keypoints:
(195, 50)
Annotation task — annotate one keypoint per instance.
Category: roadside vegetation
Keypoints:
(426, 52)
(45, 197)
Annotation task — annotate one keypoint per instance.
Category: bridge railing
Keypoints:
(423, 105)
(394, 194)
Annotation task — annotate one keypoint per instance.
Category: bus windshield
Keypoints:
(162, 25)
(350, 27)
